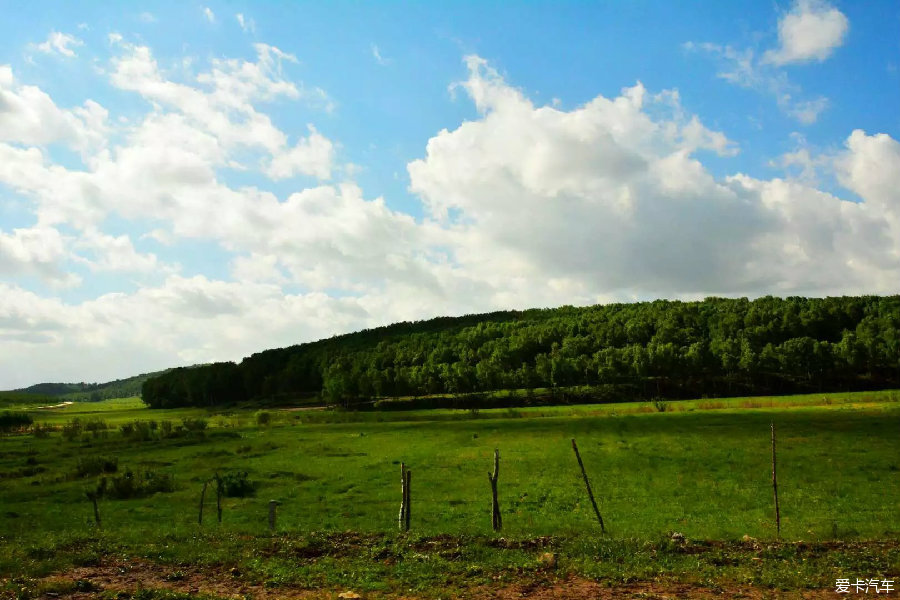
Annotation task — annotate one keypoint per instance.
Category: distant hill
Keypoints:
(87, 392)
(642, 350)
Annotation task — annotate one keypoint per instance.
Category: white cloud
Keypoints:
(811, 31)
(607, 199)
(38, 251)
(29, 116)
(248, 25)
(208, 13)
(312, 155)
(376, 54)
(116, 254)
(61, 43)
(743, 68)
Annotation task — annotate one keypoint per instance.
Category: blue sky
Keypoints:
(184, 182)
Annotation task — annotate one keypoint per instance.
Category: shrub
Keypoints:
(263, 418)
(72, 429)
(41, 430)
(140, 431)
(129, 485)
(10, 421)
(660, 405)
(96, 465)
(95, 425)
(166, 429)
(236, 484)
(195, 425)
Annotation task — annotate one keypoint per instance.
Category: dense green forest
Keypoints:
(669, 349)
(91, 392)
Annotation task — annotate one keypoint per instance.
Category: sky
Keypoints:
(187, 182)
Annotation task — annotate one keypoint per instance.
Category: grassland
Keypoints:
(700, 468)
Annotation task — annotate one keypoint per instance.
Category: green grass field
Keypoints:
(701, 468)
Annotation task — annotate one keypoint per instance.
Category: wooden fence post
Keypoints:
(401, 519)
(202, 498)
(273, 506)
(219, 492)
(408, 503)
(588, 485)
(775, 485)
(496, 519)
(92, 496)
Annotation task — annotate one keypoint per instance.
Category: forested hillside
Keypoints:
(623, 351)
(120, 388)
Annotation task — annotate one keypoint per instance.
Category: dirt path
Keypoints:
(85, 583)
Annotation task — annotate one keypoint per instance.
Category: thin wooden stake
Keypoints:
(588, 485)
(202, 498)
(273, 506)
(408, 503)
(775, 484)
(92, 496)
(401, 519)
(219, 492)
(496, 519)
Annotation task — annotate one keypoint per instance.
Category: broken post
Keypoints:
(273, 505)
(92, 496)
(496, 519)
(775, 485)
(588, 485)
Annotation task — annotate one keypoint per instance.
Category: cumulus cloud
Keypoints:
(38, 251)
(29, 116)
(613, 198)
(811, 31)
(59, 43)
(209, 14)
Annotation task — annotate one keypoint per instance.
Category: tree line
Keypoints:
(673, 349)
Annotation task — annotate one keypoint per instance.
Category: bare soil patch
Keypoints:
(131, 576)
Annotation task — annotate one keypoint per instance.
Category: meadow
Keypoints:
(701, 469)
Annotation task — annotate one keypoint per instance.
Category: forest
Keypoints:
(613, 352)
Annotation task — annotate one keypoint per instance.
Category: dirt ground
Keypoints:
(131, 576)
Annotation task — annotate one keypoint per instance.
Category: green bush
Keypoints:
(263, 418)
(195, 425)
(89, 466)
(129, 485)
(11, 421)
(72, 429)
(236, 484)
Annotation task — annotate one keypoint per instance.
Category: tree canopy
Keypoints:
(663, 348)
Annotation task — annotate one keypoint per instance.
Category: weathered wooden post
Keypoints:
(219, 492)
(496, 519)
(408, 504)
(92, 496)
(775, 485)
(588, 485)
(202, 498)
(401, 518)
(273, 506)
